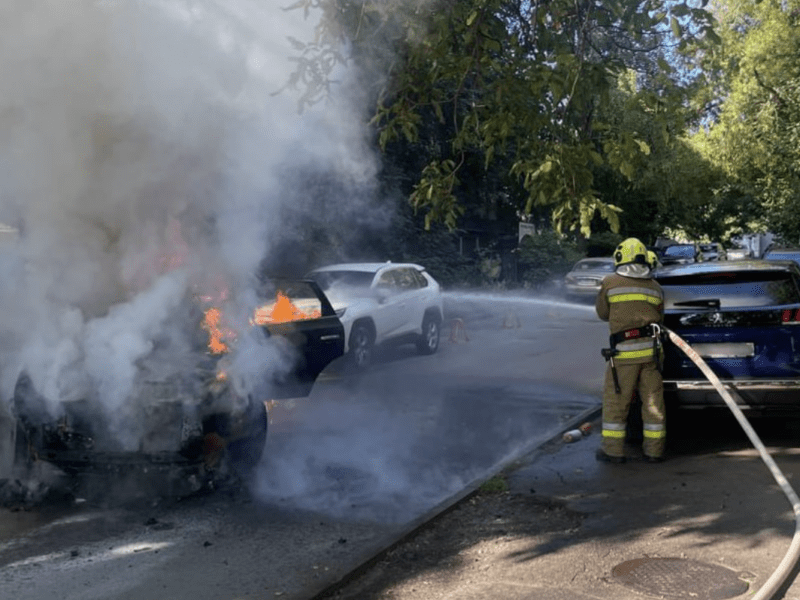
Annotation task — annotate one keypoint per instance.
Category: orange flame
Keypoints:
(217, 334)
(282, 311)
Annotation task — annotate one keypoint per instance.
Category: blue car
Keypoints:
(743, 318)
(783, 254)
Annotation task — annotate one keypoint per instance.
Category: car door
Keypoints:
(303, 322)
(407, 300)
(419, 296)
(390, 311)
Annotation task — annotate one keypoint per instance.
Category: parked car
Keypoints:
(713, 251)
(743, 318)
(379, 303)
(190, 422)
(783, 254)
(681, 254)
(584, 280)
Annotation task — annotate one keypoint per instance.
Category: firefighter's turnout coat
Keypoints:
(630, 304)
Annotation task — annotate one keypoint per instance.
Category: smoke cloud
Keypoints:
(144, 156)
(358, 459)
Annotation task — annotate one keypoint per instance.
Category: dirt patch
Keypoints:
(459, 546)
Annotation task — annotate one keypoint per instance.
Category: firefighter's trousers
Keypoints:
(645, 378)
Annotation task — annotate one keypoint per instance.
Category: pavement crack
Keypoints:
(559, 475)
(582, 570)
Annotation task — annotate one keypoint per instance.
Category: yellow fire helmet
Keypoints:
(631, 251)
(652, 259)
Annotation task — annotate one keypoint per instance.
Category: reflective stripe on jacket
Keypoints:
(635, 294)
(629, 303)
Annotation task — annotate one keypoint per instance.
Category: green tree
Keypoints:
(752, 102)
(508, 89)
(546, 257)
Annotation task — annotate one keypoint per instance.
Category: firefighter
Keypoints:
(633, 304)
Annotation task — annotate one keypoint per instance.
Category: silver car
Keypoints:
(584, 280)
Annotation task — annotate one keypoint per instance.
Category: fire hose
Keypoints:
(779, 576)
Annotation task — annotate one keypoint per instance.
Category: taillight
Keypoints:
(790, 317)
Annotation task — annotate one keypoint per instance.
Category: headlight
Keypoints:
(340, 312)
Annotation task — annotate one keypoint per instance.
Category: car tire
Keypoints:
(362, 343)
(428, 342)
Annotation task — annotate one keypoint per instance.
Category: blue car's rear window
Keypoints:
(712, 291)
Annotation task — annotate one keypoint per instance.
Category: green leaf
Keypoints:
(627, 169)
(676, 27)
(471, 18)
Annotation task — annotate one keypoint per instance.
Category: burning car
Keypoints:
(194, 422)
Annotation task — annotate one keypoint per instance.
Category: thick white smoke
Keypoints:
(142, 152)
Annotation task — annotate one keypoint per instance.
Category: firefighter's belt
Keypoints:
(633, 334)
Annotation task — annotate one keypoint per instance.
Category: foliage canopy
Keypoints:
(524, 93)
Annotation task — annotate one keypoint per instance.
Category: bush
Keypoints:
(545, 257)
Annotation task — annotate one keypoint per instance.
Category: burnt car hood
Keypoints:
(183, 417)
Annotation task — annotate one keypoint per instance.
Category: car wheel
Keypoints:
(428, 342)
(361, 346)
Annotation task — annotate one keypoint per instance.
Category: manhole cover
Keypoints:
(679, 578)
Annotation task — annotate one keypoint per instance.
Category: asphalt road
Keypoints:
(345, 470)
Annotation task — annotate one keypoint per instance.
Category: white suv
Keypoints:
(383, 302)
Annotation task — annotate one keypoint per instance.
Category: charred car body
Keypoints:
(194, 422)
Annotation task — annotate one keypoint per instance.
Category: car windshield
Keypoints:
(783, 255)
(708, 247)
(729, 290)
(336, 279)
(683, 251)
(594, 265)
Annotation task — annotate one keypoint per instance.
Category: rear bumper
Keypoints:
(753, 394)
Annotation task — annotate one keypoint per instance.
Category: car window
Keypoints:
(683, 251)
(419, 278)
(406, 279)
(792, 255)
(594, 265)
(730, 290)
(387, 279)
(329, 279)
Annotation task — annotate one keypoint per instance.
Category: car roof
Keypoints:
(373, 267)
(734, 266)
